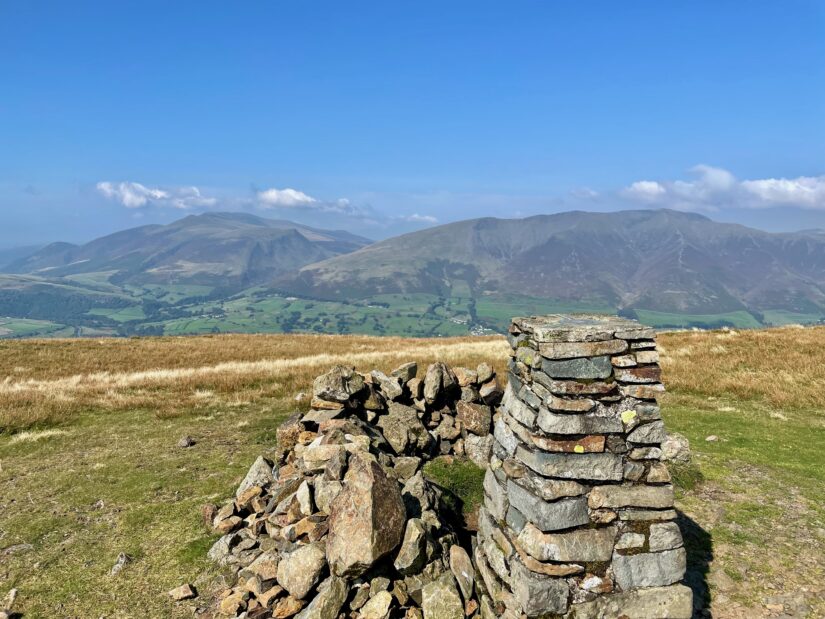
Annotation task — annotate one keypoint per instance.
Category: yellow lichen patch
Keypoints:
(579, 449)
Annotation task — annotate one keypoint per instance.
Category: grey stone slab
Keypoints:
(649, 569)
(546, 515)
(497, 495)
(664, 536)
(596, 466)
(575, 546)
(583, 368)
(673, 602)
(578, 423)
(538, 594)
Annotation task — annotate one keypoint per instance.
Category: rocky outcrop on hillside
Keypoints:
(342, 521)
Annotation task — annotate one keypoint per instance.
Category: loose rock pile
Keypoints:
(344, 523)
(578, 519)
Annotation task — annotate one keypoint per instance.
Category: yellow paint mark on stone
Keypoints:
(628, 416)
(579, 449)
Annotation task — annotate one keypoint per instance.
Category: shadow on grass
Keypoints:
(699, 547)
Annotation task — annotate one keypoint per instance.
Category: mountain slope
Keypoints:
(660, 260)
(226, 249)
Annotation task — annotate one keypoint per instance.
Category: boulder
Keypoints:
(403, 429)
(300, 570)
(338, 385)
(366, 519)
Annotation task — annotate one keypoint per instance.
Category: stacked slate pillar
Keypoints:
(578, 517)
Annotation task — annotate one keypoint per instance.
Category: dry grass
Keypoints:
(48, 382)
(781, 367)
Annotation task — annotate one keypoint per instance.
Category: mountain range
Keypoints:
(234, 271)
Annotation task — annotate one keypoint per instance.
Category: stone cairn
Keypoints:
(343, 523)
(578, 517)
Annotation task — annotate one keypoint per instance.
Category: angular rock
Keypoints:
(406, 466)
(412, 555)
(475, 418)
(490, 392)
(327, 601)
(465, 376)
(405, 372)
(673, 602)
(587, 444)
(574, 387)
(366, 519)
(184, 592)
(300, 570)
(582, 545)
(266, 566)
(479, 449)
(648, 434)
(587, 423)
(664, 536)
(647, 356)
(440, 600)
(518, 410)
(287, 607)
(378, 606)
(644, 374)
(484, 373)
(566, 405)
(569, 350)
(649, 569)
(676, 448)
(390, 386)
(496, 494)
(642, 392)
(538, 594)
(630, 540)
(658, 473)
(338, 385)
(402, 428)
(260, 474)
(325, 492)
(653, 497)
(462, 569)
(585, 368)
(603, 466)
(561, 514)
(505, 437)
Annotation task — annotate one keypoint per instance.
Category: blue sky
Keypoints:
(382, 117)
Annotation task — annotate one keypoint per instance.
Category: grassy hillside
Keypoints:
(89, 466)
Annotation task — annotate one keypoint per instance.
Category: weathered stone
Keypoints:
(287, 607)
(266, 565)
(658, 473)
(233, 603)
(440, 599)
(673, 602)
(470, 394)
(327, 601)
(586, 423)
(647, 514)
(649, 569)
(569, 350)
(416, 387)
(578, 405)
(496, 494)
(623, 361)
(561, 514)
(548, 569)
(300, 570)
(574, 328)
(633, 471)
(505, 437)
(412, 554)
(402, 428)
(529, 397)
(603, 466)
(664, 536)
(304, 497)
(390, 385)
(260, 474)
(645, 453)
(584, 368)
(418, 495)
(574, 387)
(549, 489)
(465, 376)
(654, 497)
(518, 410)
(406, 466)
(435, 381)
(490, 392)
(644, 374)
(582, 545)
(649, 433)
(475, 418)
(647, 356)
(405, 372)
(462, 569)
(184, 592)
(366, 519)
(338, 385)
(676, 448)
(630, 540)
(484, 373)
(479, 449)
(603, 516)
(378, 606)
(325, 492)
(642, 392)
(538, 594)
(586, 444)
(323, 406)
(528, 355)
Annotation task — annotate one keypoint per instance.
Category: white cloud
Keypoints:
(135, 195)
(423, 219)
(713, 188)
(285, 198)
